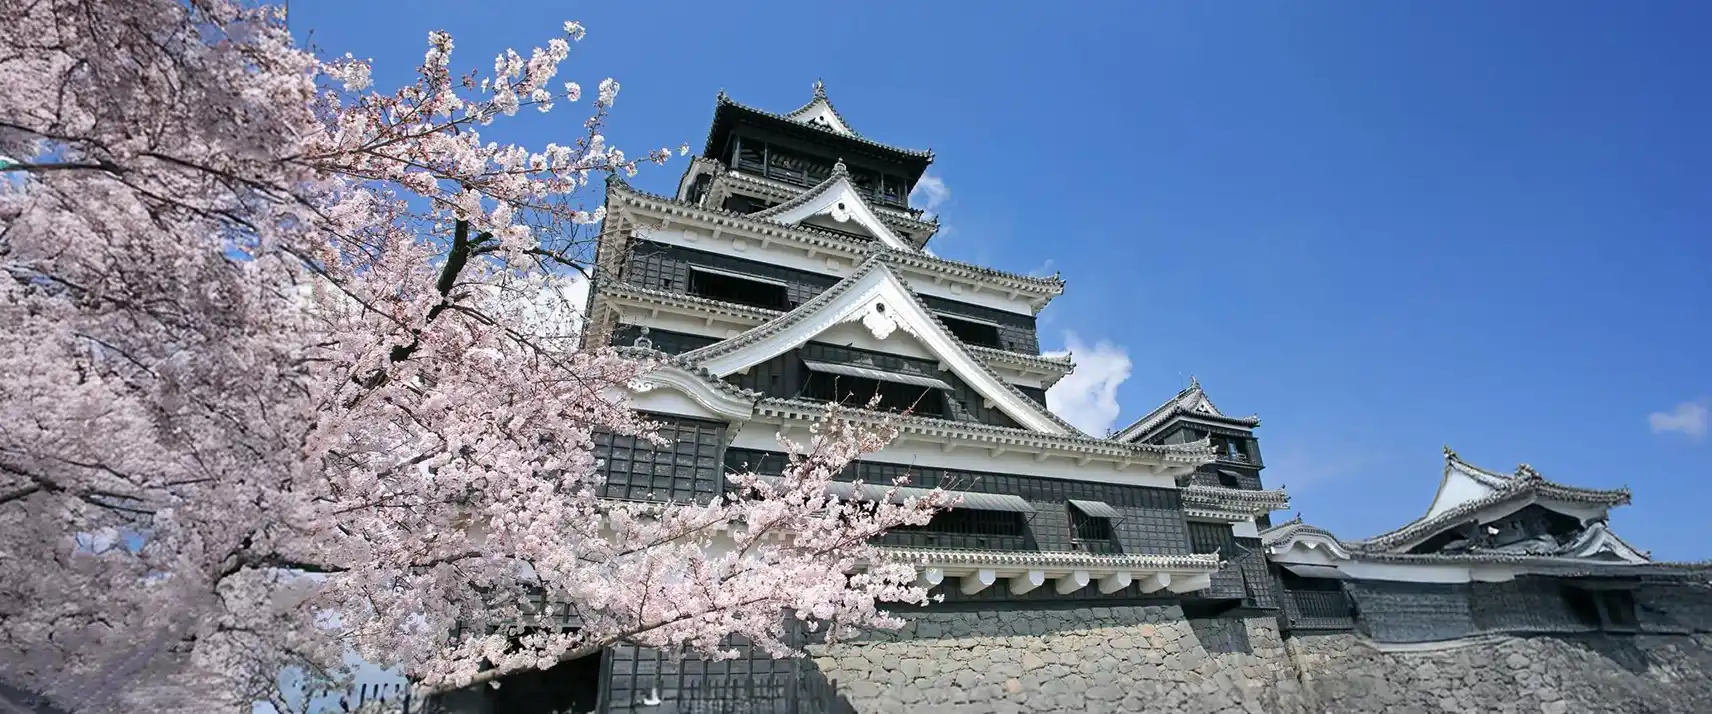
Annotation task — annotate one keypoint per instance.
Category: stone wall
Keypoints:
(1557, 674)
(1116, 659)
(1152, 659)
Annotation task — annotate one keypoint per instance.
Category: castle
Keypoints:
(1136, 572)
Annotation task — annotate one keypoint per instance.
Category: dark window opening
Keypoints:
(744, 291)
(964, 528)
(698, 190)
(1229, 480)
(974, 333)
(1619, 608)
(747, 204)
(965, 521)
(1229, 448)
(572, 686)
(1089, 528)
(858, 391)
(1582, 606)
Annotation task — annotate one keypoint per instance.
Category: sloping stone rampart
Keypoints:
(1152, 659)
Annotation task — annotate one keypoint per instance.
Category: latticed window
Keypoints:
(1088, 527)
(858, 391)
(972, 332)
(963, 528)
(684, 470)
(744, 290)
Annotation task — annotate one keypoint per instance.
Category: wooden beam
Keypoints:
(1155, 582)
(971, 584)
(929, 577)
(1072, 582)
(1114, 582)
(1193, 582)
(1027, 581)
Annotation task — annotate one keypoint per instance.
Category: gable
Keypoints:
(1455, 489)
(819, 113)
(835, 203)
(1202, 405)
(876, 301)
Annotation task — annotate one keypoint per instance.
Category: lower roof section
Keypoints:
(971, 571)
(898, 494)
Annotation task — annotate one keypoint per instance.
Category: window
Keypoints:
(963, 528)
(746, 204)
(1619, 609)
(985, 334)
(858, 391)
(687, 469)
(1231, 448)
(1229, 480)
(1603, 609)
(1088, 527)
(744, 290)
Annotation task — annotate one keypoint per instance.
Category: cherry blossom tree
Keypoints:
(291, 374)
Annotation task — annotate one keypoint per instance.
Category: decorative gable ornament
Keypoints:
(879, 322)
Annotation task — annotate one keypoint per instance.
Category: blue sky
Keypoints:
(1384, 227)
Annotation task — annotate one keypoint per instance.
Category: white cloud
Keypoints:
(1088, 397)
(929, 192)
(1688, 418)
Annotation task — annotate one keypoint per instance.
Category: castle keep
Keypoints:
(1141, 571)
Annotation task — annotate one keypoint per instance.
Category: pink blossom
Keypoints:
(283, 382)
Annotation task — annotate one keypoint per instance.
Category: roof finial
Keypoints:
(839, 168)
(1526, 471)
(819, 89)
(1449, 454)
(1194, 383)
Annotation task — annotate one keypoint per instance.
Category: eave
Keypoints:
(951, 435)
(875, 297)
(1528, 484)
(667, 211)
(908, 220)
(728, 113)
(1191, 404)
(977, 570)
(1233, 500)
(742, 317)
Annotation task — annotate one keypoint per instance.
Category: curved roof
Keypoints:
(802, 121)
(1191, 401)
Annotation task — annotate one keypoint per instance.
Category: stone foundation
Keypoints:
(1558, 674)
(1152, 659)
(1118, 659)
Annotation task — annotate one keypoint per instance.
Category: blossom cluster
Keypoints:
(283, 382)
